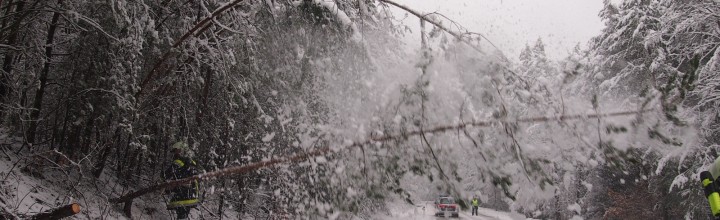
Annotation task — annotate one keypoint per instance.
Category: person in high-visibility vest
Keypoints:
(184, 197)
(709, 180)
(475, 205)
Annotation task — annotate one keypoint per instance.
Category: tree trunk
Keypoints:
(86, 139)
(130, 164)
(55, 131)
(201, 111)
(138, 165)
(156, 162)
(222, 200)
(100, 166)
(73, 141)
(8, 60)
(37, 104)
(121, 165)
(64, 139)
(221, 162)
(202, 105)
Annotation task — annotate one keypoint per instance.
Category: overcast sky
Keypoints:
(510, 24)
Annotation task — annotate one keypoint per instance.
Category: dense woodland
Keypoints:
(101, 89)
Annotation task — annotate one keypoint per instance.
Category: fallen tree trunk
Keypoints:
(227, 172)
(224, 172)
(58, 213)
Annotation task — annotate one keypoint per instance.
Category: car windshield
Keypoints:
(447, 201)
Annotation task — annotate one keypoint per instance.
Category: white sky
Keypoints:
(510, 24)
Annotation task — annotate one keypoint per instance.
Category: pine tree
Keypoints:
(621, 50)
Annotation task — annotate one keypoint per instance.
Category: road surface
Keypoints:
(426, 211)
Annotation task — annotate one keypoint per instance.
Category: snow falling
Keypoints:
(320, 109)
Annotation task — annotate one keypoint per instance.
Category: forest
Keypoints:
(318, 109)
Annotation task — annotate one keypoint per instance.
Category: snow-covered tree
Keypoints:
(666, 47)
(367, 121)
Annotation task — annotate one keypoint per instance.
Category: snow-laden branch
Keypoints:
(327, 150)
(460, 36)
(341, 16)
(195, 30)
(94, 24)
(432, 20)
(207, 22)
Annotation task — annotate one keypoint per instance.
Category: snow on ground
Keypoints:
(426, 211)
(32, 183)
(484, 213)
(27, 189)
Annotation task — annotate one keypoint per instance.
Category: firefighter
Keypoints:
(184, 197)
(475, 205)
(711, 186)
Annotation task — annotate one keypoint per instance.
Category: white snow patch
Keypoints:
(587, 185)
(268, 137)
(575, 208)
(577, 217)
(678, 182)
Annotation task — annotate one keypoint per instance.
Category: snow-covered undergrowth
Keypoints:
(425, 210)
(32, 183)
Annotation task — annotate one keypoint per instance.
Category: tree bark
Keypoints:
(37, 103)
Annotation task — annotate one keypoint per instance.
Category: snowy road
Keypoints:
(426, 211)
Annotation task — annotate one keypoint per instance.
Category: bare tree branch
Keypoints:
(424, 17)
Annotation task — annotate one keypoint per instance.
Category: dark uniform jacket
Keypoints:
(185, 195)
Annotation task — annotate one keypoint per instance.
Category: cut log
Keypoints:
(58, 213)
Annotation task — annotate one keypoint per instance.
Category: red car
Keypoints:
(446, 206)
